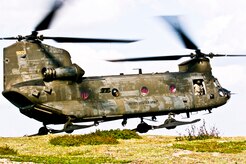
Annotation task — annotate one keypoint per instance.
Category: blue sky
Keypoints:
(215, 26)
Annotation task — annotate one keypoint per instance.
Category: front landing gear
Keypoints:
(169, 123)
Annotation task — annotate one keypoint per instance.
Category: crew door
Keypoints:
(199, 92)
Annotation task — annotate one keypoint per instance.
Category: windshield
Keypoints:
(216, 83)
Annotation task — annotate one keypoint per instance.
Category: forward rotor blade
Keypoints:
(88, 40)
(174, 22)
(211, 55)
(225, 55)
(45, 23)
(154, 58)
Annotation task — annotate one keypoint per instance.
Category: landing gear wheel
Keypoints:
(68, 125)
(143, 127)
(96, 123)
(168, 121)
(43, 131)
(153, 118)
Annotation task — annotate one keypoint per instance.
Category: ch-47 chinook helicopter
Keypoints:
(45, 85)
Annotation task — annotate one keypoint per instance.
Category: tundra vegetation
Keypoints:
(125, 146)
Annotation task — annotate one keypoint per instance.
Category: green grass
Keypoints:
(149, 149)
(37, 151)
(213, 146)
(192, 141)
(66, 159)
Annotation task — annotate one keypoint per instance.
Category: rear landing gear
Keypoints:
(43, 131)
(68, 128)
(143, 127)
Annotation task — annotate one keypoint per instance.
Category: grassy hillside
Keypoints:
(148, 149)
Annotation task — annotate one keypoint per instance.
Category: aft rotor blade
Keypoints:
(88, 40)
(45, 23)
(174, 22)
(9, 38)
(154, 58)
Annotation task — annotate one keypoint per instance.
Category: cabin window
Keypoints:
(84, 95)
(115, 92)
(144, 91)
(199, 88)
(172, 88)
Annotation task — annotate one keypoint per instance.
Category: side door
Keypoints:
(199, 93)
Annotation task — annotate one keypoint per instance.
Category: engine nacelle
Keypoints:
(72, 73)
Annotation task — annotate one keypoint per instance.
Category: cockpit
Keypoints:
(222, 91)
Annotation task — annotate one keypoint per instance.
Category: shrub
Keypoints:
(6, 150)
(200, 133)
(96, 138)
(77, 140)
(119, 134)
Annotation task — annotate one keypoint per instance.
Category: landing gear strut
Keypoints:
(124, 122)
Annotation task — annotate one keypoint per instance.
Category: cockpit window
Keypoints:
(216, 83)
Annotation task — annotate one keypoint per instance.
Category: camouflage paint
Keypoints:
(32, 83)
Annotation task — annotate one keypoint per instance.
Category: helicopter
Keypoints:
(45, 85)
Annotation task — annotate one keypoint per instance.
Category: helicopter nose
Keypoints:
(227, 93)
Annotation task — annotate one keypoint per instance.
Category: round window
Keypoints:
(115, 92)
(144, 91)
(84, 95)
(172, 88)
